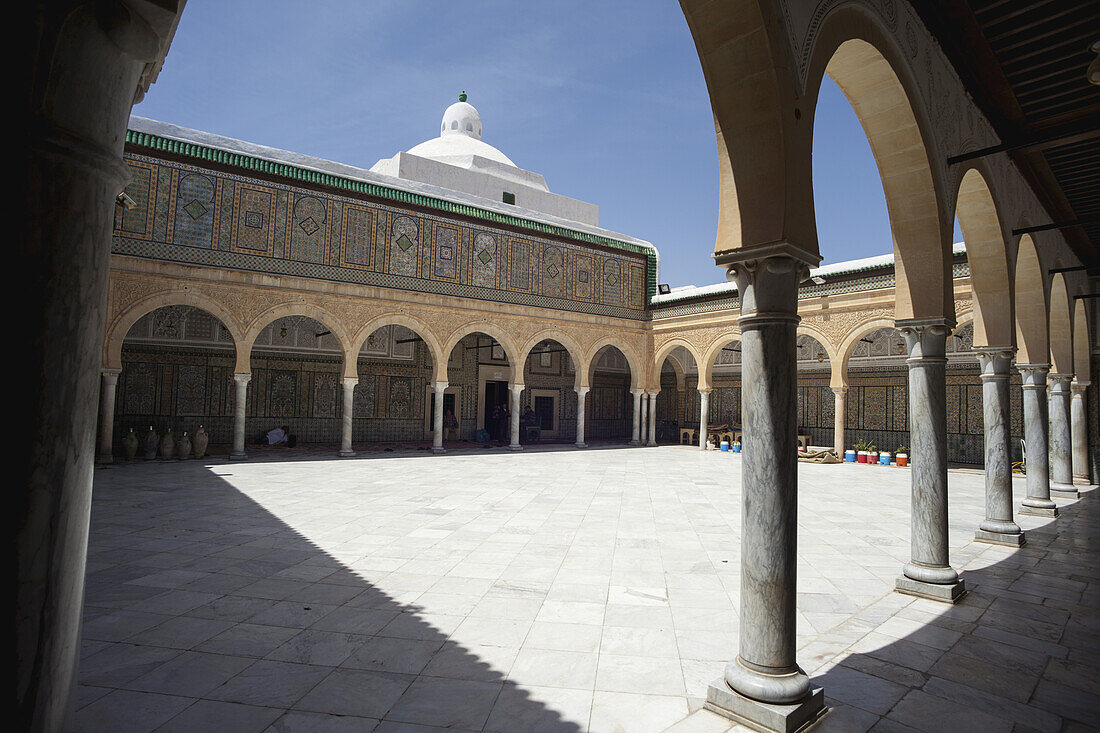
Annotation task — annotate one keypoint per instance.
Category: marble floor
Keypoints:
(553, 590)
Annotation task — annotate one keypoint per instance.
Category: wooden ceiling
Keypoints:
(1024, 62)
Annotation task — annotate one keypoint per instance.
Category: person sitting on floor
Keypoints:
(279, 436)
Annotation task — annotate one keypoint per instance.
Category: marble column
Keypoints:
(1061, 447)
(928, 573)
(81, 69)
(840, 418)
(107, 385)
(652, 418)
(998, 527)
(635, 426)
(437, 417)
(764, 684)
(239, 403)
(643, 418)
(704, 408)
(517, 392)
(582, 392)
(346, 418)
(1079, 433)
(1038, 501)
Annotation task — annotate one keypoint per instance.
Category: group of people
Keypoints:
(499, 426)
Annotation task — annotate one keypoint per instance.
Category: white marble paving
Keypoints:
(554, 590)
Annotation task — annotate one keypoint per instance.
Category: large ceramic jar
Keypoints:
(183, 447)
(168, 445)
(152, 442)
(199, 442)
(130, 445)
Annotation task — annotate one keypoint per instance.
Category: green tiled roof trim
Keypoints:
(239, 160)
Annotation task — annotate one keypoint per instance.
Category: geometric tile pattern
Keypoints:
(196, 215)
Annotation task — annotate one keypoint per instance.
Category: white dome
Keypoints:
(461, 119)
(459, 137)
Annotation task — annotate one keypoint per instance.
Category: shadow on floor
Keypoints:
(204, 612)
(1020, 652)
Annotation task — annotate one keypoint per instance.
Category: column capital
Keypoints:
(995, 361)
(768, 285)
(1078, 388)
(654, 394)
(1056, 378)
(581, 390)
(705, 391)
(351, 381)
(517, 388)
(110, 371)
(839, 391)
(242, 379)
(1034, 375)
(925, 338)
(637, 392)
(440, 386)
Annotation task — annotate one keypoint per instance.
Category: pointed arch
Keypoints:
(1032, 340)
(987, 256)
(309, 310)
(635, 363)
(1061, 327)
(576, 353)
(1081, 366)
(849, 345)
(666, 351)
(875, 76)
(489, 329)
(706, 367)
(121, 324)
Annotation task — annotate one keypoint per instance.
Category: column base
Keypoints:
(1064, 491)
(346, 453)
(635, 442)
(1083, 481)
(652, 444)
(438, 450)
(1016, 539)
(1039, 511)
(238, 456)
(946, 592)
(105, 459)
(515, 447)
(763, 716)
(580, 445)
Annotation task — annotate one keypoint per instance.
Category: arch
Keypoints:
(1081, 366)
(840, 366)
(665, 351)
(576, 353)
(439, 362)
(805, 329)
(987, 255)
(124, 321)
(489, 329)
(764, 195)
(1061, 327)
(632, 361)
(309, 310)
(1032, 339)
(874, 76)
(706, 367)
(679, 369)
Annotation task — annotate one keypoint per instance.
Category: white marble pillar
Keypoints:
(346, 417)
(643, 419)
(517, 392)
(240, 400)
(635, 426)
(107, 385)
(652, 418)
(998, 527)
(704, 408)
(1079, 433)
(582, 392)
(1061, 446)
(437, 417)
(840, 418)
(764, 683)
(928, 573)
(1038, 501)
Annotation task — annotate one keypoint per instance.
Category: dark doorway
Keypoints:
(496, 394)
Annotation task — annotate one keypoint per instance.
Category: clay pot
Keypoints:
(130, 445)
(151, 443)
(183, 447)
(199, 442)
(168, 445)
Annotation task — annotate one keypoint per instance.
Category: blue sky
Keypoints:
(605, 99)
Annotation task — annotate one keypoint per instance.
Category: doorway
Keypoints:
(496, 394)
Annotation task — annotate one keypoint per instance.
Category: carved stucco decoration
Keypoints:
(837, 325)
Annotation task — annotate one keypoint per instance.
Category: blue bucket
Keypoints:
(724, 447)
(736, 447)
(884, 459)
(849, 456)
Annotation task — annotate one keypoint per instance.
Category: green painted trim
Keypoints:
(239, 160)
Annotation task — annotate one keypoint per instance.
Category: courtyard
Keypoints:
(554, 590)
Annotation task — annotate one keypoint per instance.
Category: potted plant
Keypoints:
(872, 453)
(901, 456)
(861, 447)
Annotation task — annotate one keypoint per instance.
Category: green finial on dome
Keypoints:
(462, 97)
